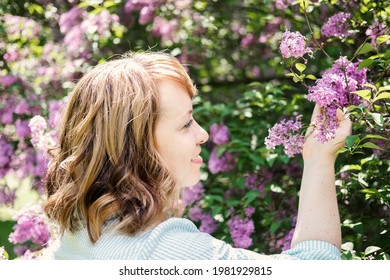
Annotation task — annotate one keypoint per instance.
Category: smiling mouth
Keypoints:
(197, 159)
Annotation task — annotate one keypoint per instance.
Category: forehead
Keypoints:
(175, 100)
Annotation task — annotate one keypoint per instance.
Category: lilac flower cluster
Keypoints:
(192, 194)
(258, 181)
(6, 156)
(207, 222)
(334, 90)
(285, 242)
(32, 227)
(21, 27)
(336, 26)
(288, 134)
(77, 24)
(7, 195)
(226, 162)
(377, 29)
(240, 231)
(283, 4)
(220, 135)
(294, 45)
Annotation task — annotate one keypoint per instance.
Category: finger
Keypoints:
(316, 112)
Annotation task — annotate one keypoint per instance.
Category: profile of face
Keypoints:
(178, 136)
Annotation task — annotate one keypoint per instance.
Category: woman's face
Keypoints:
(178, 136)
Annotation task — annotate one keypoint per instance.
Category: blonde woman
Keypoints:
(129, 144)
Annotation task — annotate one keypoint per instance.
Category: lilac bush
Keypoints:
(238, 55)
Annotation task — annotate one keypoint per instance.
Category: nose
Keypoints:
(203, 136)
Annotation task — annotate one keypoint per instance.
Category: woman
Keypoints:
(129, 144)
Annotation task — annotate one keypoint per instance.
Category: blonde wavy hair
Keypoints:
(107, 164)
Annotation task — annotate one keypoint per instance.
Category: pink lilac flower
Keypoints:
(258, 181)
(30, 226)
(192, 194)
(22, 128)
(377, 29)
(294, 45)
(6, 156)
(226, 162)
(334, 90)
(207, 223)
(283, 4)
(240, 231)
(7, 195)
(21, 26)
(249, 211)
(219, 134)
(40, 137)
(336, 26)
(285, 242)
(288, 134)
(8, 80)
(22, 108)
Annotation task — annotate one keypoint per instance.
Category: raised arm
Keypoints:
(318, 215)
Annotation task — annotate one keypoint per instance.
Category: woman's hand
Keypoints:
(314, 149)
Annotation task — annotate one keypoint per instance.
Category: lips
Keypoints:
(197, 159)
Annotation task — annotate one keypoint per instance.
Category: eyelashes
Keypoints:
(187, 125)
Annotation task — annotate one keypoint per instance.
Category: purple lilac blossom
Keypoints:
(8, 80)
(294, 45)
(240, 231)
(207, 223)
(285, 242)
(377, 29)
(283, 4)
(249, 211)
(336, 26)
(258, 181)
(30, 226)
(226, 162)
(192, 194)
(286, 133)
(6, 156)
(334, 90)
(219, 134)
(7, 196)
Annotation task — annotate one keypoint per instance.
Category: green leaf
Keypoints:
(274, 227)
(300, 67)
(364, 93)
(378, 118)
(371, 145)
(383, 95)
(365, 63)
(351, 139)
(375, 136)
(347, 246)
(215, 210)
(250, 197)
(311, 77)
(364, 48)
(382, 39)
(371, 249)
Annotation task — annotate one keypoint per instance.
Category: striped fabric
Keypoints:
(175, 238)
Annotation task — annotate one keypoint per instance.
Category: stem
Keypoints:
(315, 40)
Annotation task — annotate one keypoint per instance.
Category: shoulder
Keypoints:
(179, 238)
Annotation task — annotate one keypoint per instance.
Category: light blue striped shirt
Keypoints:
(174, 239)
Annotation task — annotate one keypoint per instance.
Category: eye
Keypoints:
(187, 125)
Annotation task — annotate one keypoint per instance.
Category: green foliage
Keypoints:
(231, 51)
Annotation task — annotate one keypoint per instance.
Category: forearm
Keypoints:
(318, 215)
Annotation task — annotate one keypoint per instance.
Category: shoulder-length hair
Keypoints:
(107, 164)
